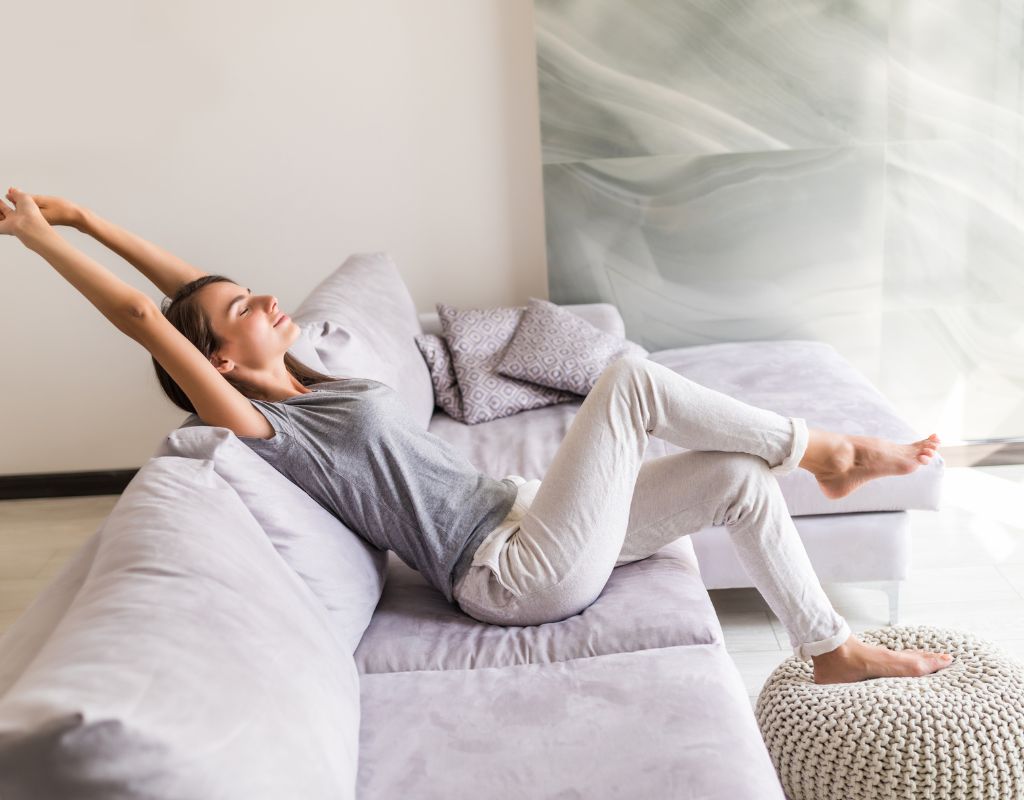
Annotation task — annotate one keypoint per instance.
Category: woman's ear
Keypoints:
(222, 365)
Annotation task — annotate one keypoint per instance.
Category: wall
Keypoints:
(844, 172)
(265, 141)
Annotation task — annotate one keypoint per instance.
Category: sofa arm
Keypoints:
(189, 662)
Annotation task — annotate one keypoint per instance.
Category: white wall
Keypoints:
(266, 141)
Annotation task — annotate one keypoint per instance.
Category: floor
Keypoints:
(967, 569)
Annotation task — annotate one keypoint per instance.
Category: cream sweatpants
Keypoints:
(600, 505)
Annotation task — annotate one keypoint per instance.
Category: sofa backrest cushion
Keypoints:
(369, 322)
(343, 570)
(190, 662)
(603, 316)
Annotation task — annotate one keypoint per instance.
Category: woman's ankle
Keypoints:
(842, 653)
(827, 453)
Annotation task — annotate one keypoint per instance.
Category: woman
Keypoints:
(221, 352)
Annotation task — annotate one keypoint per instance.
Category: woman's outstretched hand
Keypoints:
(25, 220)
(57, 210)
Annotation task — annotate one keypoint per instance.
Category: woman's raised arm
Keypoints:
(135, 314)
(118, 301)
(164, 269)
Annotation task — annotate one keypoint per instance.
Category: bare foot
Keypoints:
(855, 660)
(841, 462)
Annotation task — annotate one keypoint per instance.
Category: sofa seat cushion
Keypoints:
(657, 602)
(672, 722)
(809, 379)
(795, 378)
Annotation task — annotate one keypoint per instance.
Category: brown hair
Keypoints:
(187, 315)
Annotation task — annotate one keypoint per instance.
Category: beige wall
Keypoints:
(266, 141)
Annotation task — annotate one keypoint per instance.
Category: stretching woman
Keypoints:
(221, 352)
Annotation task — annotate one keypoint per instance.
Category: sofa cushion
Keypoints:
(189, 661)
(796, 378)
(476, 338)
(601, 319)
(304, 347)
(343, 570)
(555, 348)
(667, 723)
(657, 602)
(373, 325)
(442, 373)
(809, 379)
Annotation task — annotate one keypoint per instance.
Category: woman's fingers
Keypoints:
(6, 218)
(24, 217)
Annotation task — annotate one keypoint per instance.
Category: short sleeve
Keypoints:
(277, 416)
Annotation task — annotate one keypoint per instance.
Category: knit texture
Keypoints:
(957, 733)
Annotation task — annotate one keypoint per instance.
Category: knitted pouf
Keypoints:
(956, 734)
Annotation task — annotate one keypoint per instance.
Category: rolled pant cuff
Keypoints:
(801, 437)
(808, 649)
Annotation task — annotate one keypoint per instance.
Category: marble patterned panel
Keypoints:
(651, 77)
(955, 71)
(954, 224)
(692, 250)
(849, 172)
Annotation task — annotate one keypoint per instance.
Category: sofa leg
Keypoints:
(892, 588)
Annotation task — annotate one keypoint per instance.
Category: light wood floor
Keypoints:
(967, 569)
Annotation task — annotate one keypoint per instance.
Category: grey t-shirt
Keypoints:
(353, 447)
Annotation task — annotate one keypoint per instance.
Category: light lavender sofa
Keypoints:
(222, 635)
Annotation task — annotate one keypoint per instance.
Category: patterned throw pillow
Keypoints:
(553, 347)
(442, 374)
(476, 339)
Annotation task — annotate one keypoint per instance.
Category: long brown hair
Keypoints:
(185, 313)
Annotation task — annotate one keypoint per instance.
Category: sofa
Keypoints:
(222, 635)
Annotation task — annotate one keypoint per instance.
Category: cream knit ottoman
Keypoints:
(957, 734)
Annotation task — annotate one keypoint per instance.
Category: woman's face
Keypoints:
(245, 324)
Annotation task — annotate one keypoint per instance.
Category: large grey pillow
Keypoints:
(439, 361)
(188, 661)
(344, 571)
(369, 326)
(558, 349)
(476, 339)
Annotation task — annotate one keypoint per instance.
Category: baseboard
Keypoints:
(65, 484)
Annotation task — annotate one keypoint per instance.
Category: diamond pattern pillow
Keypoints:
(442, 374)
(476, 339)
(553, 347)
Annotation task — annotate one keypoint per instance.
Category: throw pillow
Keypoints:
(439, 361)
(558, 349)
(476, 339)
(373, 321)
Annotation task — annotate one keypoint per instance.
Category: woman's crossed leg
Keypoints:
(600, 505)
